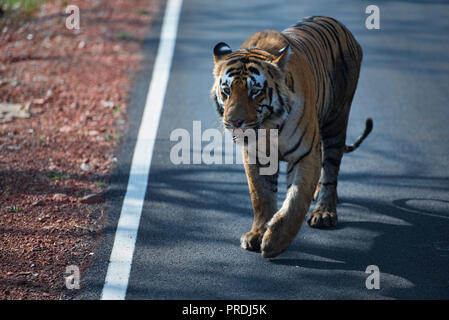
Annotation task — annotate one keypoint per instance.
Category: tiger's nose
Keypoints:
(236, 123)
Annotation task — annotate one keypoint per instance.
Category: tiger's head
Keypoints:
(249, 87)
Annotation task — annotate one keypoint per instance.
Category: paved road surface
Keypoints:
(394, 210)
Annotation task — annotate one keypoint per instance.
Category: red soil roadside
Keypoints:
(78, 83)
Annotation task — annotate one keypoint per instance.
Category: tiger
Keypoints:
(301, 82)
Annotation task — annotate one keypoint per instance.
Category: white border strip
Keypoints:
(121, 258)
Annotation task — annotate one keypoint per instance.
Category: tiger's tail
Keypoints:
(358, 142)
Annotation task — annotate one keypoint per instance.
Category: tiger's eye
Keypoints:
(227, 90)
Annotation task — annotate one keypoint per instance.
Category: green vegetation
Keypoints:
(18, 10)
(109, 136)
(14, 209)
(101, 184)
(58, 176)
(7, 189)
(116, 109)
(143, 12)
(124, 36)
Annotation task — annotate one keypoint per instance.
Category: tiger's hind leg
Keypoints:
(333, 136)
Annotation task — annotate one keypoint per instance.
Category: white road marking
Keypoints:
(119, 268)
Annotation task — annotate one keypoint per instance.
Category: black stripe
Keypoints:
(264, 88)
(281, 101)
(305, 154)
(313, 57)
(279, 111)
(281, 127)
(232, 61)
(322, 91)
(330, 26)
(219, 107)
(338, 42)
(257, 55)
(297, 143)
(247, 60)
(345, 66)
(307, 31)
(292, 88)
(326, 40)
(299, 122)
(329, 32)
(254, 70)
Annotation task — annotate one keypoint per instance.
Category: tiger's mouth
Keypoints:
(238, 134)
(245, 126)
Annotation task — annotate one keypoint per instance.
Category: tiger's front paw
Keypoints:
(322, 219)
(275, 240)
(251, 241)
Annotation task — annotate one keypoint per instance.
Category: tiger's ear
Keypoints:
(220, 50)
(281, 57)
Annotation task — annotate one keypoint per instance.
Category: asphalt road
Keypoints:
(394, 210)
